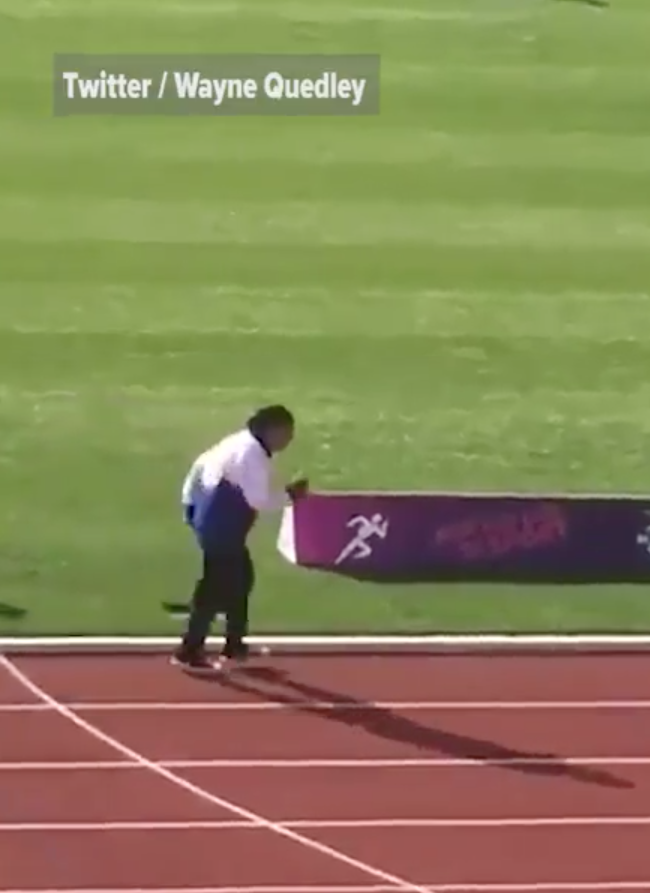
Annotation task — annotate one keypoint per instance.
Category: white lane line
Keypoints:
(178, 781)
(307, 764)
(264, 706)
(570, 887)
(331, 824)
(285, 888)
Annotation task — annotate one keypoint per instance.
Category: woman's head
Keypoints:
(274, 426)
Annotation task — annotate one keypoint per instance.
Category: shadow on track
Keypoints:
(274, 685)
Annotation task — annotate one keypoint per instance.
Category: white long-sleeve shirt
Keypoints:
(226, 488)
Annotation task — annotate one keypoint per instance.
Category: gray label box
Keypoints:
(216, 85)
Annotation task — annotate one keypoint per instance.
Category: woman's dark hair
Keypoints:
(270, 417)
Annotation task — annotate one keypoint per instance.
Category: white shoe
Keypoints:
(200, 665)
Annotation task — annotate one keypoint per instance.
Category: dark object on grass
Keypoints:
(176, 609)
(11, 612)
(598, 4)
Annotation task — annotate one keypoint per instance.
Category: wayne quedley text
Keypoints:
(193, 85)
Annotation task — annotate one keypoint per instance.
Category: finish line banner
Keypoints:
(419, 537)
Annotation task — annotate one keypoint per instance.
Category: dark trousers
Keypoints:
(225, 587)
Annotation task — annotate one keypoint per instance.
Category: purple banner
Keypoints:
(422, 536)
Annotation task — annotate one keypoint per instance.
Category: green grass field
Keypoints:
(454, 294)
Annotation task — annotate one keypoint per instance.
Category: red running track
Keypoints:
(355, 774)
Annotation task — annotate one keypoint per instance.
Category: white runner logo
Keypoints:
(367, 528)
(643, 539)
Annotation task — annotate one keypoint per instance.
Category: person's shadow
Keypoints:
(274, 685)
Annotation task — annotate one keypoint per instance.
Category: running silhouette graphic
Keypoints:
(375, 527)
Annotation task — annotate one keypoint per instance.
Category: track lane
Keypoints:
(423, 793)
(152, 859)
(354, 732)
(508, 855)
(26, 737)
(567, 856)
(94, 796)
(387, 677)
(304, 843)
